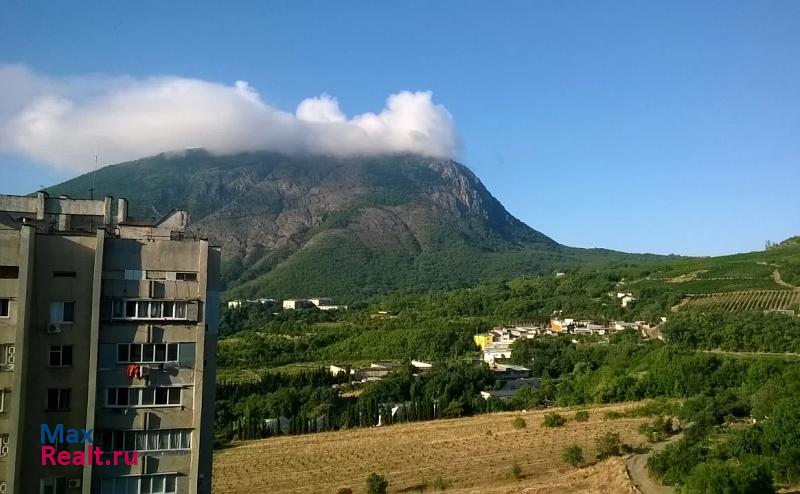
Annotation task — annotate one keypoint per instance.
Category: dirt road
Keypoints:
(776, 277)
(636, 465)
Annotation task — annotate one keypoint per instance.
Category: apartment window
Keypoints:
(9, 272)
(156, 275)
(186, 276)
(60, 355)
(4, 440)
(53, 485)
(148, 309)
(58, 398)
(134, 274)
(147, 352)
(62, 312)
(145, 440)
(119, 397)
(145, 484)
(3, 393)
(7, 357)
(64, 274)
(5, 307)
(143, 397)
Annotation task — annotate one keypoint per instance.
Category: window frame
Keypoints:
(186, 276)
(7, 302)
(9, 272)
(146, 396)
(54, 484)
(63, 304)
(8, 352)
(147, 306)
(140, 351)
(63, 399)
(179, 439)
(60, 352)
(108, 485)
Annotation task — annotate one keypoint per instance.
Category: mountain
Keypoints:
(348, 228)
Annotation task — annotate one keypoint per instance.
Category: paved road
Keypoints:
(637, 470)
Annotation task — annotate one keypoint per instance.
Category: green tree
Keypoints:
(609, 444)
(718, 477)
(573, 455)
(553, 419)
(377, 484)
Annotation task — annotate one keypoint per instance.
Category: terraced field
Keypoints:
(744, 300)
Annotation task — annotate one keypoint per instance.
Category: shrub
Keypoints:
(609, 444)
(718, 477)
(345, 490)
(581, 416)
(376, 484)
(573, 455)
(516, 471)
(519, 423)
(658, 430)
(553, 419)
(440, 483)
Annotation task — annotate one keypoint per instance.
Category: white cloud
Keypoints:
(65, 121)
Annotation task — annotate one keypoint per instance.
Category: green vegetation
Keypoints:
(609, 444)
(753, 331)
(581, 416)
(377, 484)
(309, 402)
(440, 483)
(553, 419)
(516, 471)
(741, 477)
(519, 423)
(658, 430)
(573, 455)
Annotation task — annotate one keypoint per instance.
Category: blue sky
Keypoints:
(668, 127)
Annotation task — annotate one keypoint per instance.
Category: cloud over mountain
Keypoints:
(64, 121)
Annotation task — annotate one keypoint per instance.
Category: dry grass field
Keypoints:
(468, 455)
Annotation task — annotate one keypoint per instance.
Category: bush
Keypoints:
(718, 477)
(519, 423)
(516, 471)
(376, 484)
(553, 419)
(440, 483)
(573, 455)
(609, 444)
(658, 430)
(581, 416)
(345, 490)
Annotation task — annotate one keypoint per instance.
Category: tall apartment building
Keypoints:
(107, 323)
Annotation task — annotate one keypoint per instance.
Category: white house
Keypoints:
(495, 351)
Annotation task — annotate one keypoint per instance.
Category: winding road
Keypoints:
(636, 465)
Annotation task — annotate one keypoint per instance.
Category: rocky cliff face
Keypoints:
(274, 214)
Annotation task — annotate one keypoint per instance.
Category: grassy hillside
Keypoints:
(474, 454)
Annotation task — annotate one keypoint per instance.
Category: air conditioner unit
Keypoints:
(54, 328)
(73, 483)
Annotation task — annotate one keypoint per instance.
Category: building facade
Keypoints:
(108, 325)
